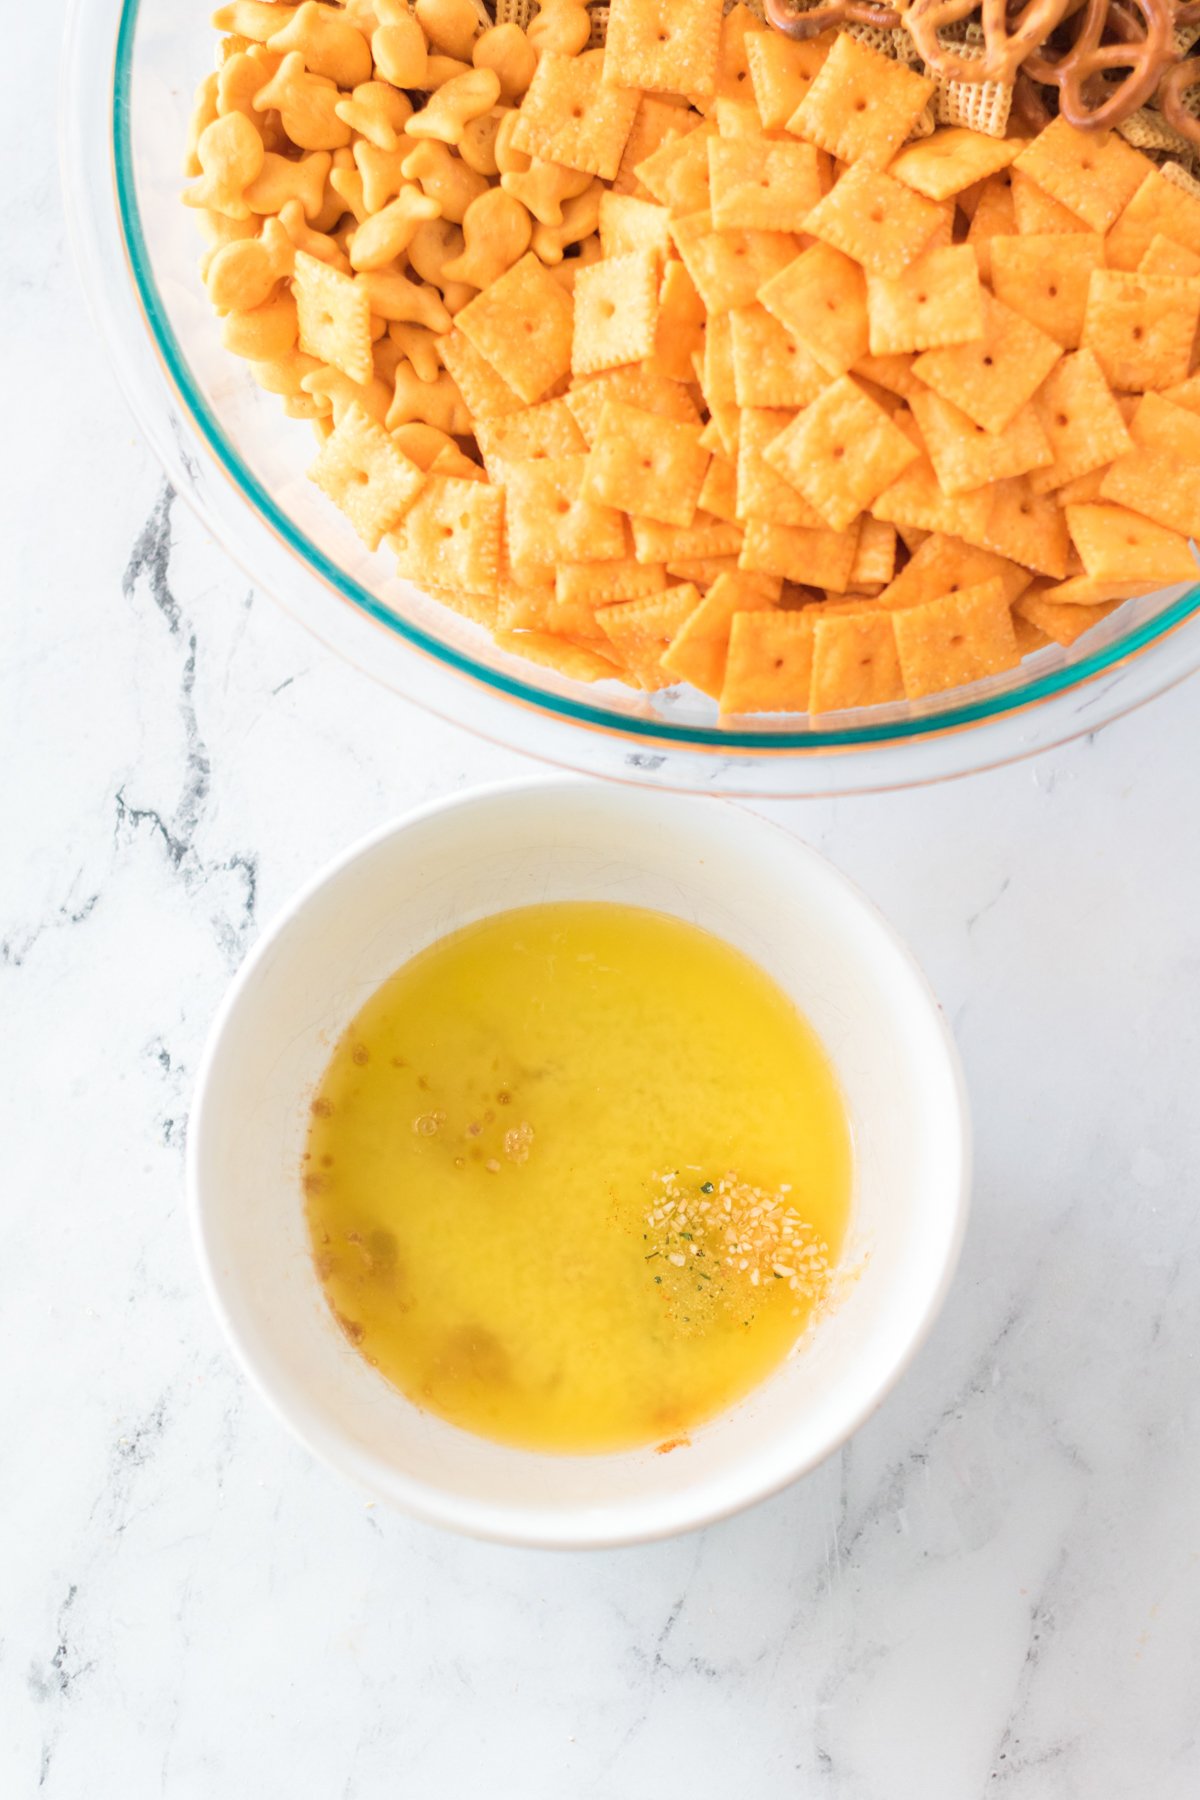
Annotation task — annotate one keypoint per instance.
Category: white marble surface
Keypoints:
(995, 1590)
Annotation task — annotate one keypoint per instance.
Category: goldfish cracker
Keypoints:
(544, 188)
(280, 180)
(432, 247)
(496, 233)
(347, 184)
(231, 156)
(204, 111)
(509, 160)
(507, 50)
(451, 26)
(419, 346)
(377, 112)
(244, 76)
(326, 384)
(561, 26)
(241, 276)
(313, 243)
(323, 429)
(253, 19)
(382, 172)
(283, 374)
(432, 402)
(265, 333)
(304, 406)
(441, 69)
(328, 43)
(564, 272)
(580, 219)
(477, 145)
(400, 52)
(307, 105)
(395, 298)
(383, 236)
(421, 443)
(445, 178)
(363, 15)
(218, 228)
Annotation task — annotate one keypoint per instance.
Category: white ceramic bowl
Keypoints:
(707, 861)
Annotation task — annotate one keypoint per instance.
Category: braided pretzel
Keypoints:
(1005, 44)
(1175, 84)
(809, 22)
(1078, 71)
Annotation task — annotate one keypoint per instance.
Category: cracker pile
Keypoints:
(693, 355)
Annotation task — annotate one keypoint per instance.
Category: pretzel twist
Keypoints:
(1175, 84)
(1008, 37)
(1078, 72)
(809, 22)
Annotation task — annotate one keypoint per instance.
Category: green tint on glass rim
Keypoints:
(154, 69)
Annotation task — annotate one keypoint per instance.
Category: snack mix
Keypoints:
(824, 359)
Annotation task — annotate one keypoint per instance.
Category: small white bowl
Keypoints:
(707, 861)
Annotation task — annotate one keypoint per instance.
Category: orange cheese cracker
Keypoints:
(854, 662)
(1046, 277)
(821, 297)
(862, 105)
(991, 379)
(522, 325)
(663, 46)
(768, 667)
(955, 639)
(698, 650)
(936, 300)
(642, 463)
(879, 222)
(841, 452)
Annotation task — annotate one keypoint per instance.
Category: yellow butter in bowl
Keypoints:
(577, 1177)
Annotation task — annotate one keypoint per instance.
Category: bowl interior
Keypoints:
(307, 553)
(709, 863)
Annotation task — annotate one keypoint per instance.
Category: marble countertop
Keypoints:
(994, 1590)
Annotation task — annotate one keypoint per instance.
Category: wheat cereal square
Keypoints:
(936, 301)
(875, 220)
(992, 379)
(1141, 327)
(1045, 278)
(821, 297)
(861, 105)
(841, 452)
(522, 325)
(571, 115)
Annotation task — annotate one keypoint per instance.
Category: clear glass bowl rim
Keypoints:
(865, 736)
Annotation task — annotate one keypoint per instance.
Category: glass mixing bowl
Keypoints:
(130, 69)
